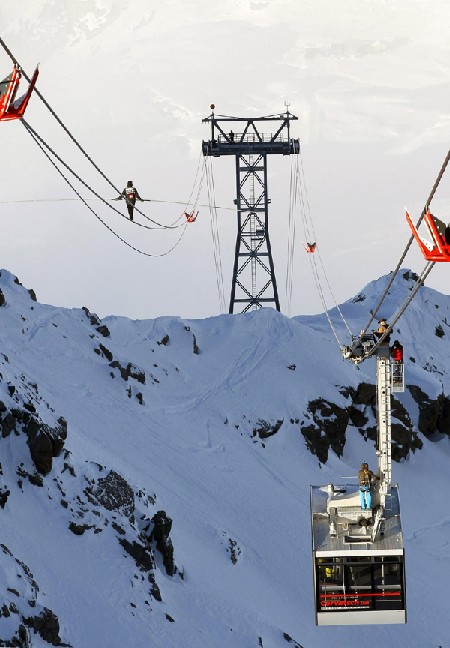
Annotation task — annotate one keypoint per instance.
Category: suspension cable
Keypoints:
(424, 211)
(291, 236)
(314, 237)
(135, 249)
(195, 204)
(37, 137)
(313, 261)
(74, 140)
(420, 281)
(215, 235)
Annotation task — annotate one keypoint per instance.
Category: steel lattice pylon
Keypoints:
(253, 283)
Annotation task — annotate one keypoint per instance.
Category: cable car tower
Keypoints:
(358, 554)
(253, 284)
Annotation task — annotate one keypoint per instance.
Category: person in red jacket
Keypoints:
(397, 357)
(397, 351)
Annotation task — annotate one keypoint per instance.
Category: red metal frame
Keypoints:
(438, 249)
(309, 247)
(191, 218)
(8, 110)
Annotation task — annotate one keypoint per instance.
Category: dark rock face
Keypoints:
(44, 621)
(4, 497)
(162, 525)
(114, 493)
(444, 417)
(2, 298)
(429, 410)
(78, 529)
(47, 625)
(142, 555)
(366, 394)
(103, 330)
(8, 425)
(327, 430)
(95, 321)
(45, 442)
(409, 275)
(130, 371)
(106, 352)
(357, 417)
(32, 294)
(265, 429)
(403, 436)
(439, 331)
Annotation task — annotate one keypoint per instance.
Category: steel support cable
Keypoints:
(187, 205)
(61, 161)
(315, 270)
(291, 239)
(295, 203)
(322, 297)
(312, 260)
(169, 202)
(420, 281)
(317, 247)
(135, 249)
(289, 245)
(74, 140)
(424, 211)
(216, 247)
(217, 233)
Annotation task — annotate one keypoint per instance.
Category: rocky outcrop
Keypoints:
(330, 421)
(95, 321)
(45, 442)
(162, 525)
(20, 606)
(404, 437)
(113, 493)
(47, 626)
(142, 555)
(429, 410)
(130, 371)
(328, 429)
(264, 429)
(444, 417)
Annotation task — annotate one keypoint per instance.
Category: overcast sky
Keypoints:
(368, 80)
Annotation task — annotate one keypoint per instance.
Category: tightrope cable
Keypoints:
(135, 249)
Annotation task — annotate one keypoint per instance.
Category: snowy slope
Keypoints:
(188, 441)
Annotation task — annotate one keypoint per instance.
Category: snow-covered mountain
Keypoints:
(155, 474)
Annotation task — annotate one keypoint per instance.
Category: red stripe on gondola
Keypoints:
(358, 595)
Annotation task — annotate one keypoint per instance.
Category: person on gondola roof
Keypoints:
(383, 327)
(365, 477)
